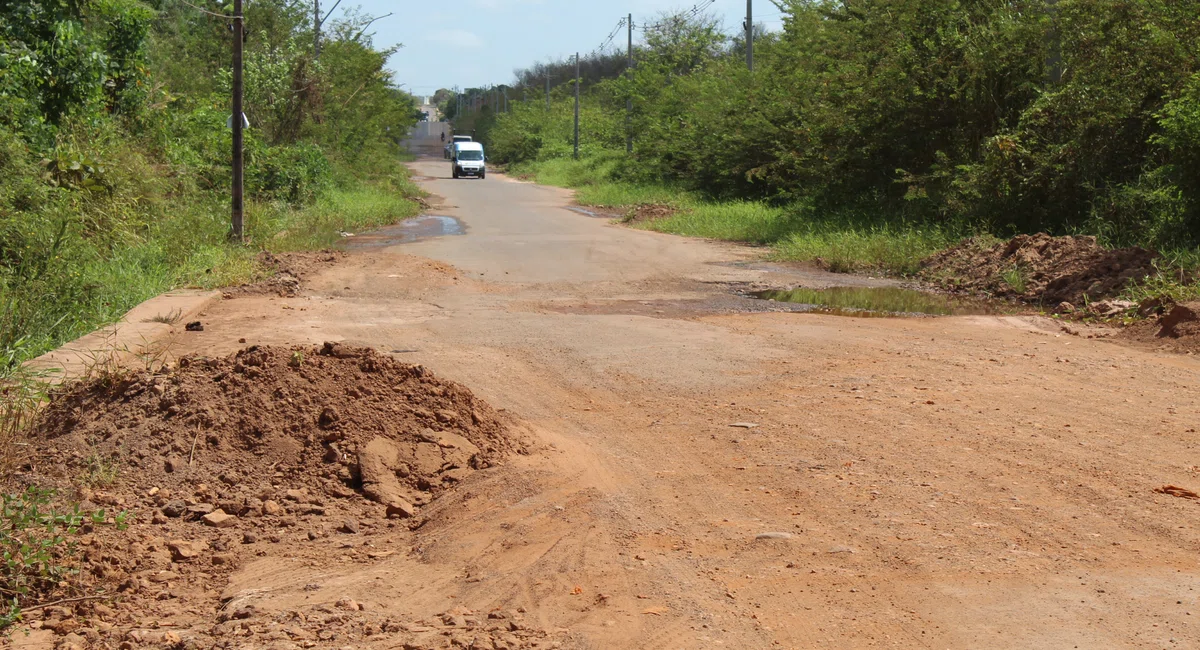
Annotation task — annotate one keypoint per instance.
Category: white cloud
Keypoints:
(457, 38)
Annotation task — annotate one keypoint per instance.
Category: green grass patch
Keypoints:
(844, 242)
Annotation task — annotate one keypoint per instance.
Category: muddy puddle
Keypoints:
(406, 232)
(879, 302)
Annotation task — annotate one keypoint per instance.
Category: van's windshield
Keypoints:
(470, 155)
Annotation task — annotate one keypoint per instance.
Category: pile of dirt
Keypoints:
(219, 458)
(1176, 329)
(287, 272)
(644, 212)
(1039, 269)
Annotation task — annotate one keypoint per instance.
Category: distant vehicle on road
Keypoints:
(467, 159)
(448, 152)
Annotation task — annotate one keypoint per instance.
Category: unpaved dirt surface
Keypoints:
(718, 478)
(1054, 269)
(287, 272)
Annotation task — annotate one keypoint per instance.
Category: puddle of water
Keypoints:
(407, 232)
(878, 302)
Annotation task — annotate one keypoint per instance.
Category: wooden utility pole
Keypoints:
(577, 106)
(629, 99)
(750, 35)
(238, 231)
(316, 28)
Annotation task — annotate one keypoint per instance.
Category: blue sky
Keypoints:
(479, 42)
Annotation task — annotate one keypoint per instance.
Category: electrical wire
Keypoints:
(205, 11)
(696, 10)
(611, 37)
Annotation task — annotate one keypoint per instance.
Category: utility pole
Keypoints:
(629, 100)
(750, 35)
(576, 104)
(547, 91)
(316, 28)
(238, 230)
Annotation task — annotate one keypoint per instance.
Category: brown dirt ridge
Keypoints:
(229, 457)
(1053, 269)
(287, 272)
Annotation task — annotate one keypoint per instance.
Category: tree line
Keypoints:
(1004, 116)
(115, 152)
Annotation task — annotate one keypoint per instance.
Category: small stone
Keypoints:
(348, 604)
(224, 559)
(744, 425)
(175, 508)
(182, 550)
(272, 508)
(249, 538)
(159, 519)
(773, 536)
(201, 509)
(349, 527)
(299, 496)
(219, 519)
(164, 576)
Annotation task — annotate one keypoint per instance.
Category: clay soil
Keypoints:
(1055, 269)
(232, 458)
(647, 476)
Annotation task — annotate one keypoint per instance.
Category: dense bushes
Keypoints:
(998, 115)
(115, 154)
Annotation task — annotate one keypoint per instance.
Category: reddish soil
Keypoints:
(1056, 269)
(287, 272)
(1176, 329)
(259, 453)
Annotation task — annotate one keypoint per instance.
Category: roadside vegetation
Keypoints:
(115, 163)
(872, 134)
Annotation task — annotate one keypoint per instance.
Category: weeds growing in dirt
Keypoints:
(22, 392)
(168, 319)
(1015, 279)
(38, 543)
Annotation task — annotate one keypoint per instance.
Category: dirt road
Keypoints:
(966, 482)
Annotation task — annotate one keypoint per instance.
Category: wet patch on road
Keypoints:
(860, 302)
(406, 232)
(878, 302)
(590, 213)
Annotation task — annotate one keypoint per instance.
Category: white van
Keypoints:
(467, 160)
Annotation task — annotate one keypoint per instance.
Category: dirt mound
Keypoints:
(1039, 268)
(648, 212)
(288, 272)
(1176, 329)
(271, 446)
(305, 414)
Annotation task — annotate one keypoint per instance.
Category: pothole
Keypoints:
(879, 302)
(407, 232)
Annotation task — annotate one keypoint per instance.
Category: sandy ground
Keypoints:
(967, 482)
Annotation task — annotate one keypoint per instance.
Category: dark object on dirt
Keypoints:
(1182, 320)
(1176, 491)
(1039, 268)
(194, 326)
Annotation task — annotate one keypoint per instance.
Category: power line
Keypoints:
(205, 11)
(612, 36)
(696, 10)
